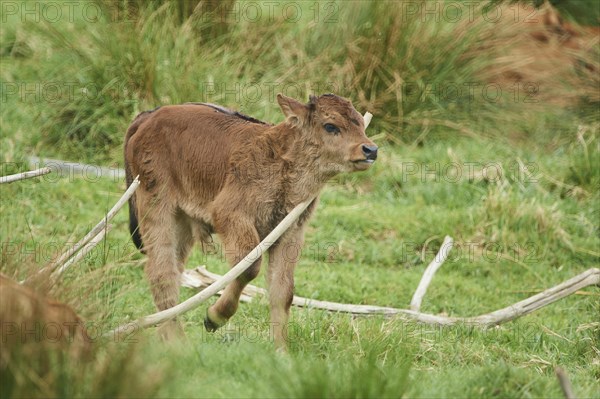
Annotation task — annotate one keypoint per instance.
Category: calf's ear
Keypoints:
(295, 112)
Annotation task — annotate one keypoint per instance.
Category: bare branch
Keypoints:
(69, 168)
(24, 175)
(200, 277)
(436, 263)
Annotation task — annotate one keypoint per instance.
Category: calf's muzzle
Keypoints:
(370, 152)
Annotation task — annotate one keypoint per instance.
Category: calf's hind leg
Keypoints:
(184, 239)
(239, 237)
(160, 233)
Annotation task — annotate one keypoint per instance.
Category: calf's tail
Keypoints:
(134, 229)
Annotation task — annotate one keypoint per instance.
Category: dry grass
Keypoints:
(550, 61)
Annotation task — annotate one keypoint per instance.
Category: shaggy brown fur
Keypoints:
(205, 169)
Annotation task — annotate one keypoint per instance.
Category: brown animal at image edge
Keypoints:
(205, 169)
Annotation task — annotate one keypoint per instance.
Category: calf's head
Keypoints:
(333, 131)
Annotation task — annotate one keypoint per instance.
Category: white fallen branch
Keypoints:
(436, 263)
(84, 251)
(215, 283)
(70, 168)
(24, 175)
(200, 277)
(96, 230)
(235, 272)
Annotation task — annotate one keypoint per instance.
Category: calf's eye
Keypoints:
(330, 128)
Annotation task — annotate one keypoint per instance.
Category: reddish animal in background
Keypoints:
(35, 327)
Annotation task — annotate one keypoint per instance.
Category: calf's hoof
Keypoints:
(210, 325)
(213, 320)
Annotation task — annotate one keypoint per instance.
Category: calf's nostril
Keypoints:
(370, 151)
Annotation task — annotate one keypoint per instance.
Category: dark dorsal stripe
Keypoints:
(231, 112)
(147, 112)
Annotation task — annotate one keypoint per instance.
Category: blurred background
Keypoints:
(426, 70)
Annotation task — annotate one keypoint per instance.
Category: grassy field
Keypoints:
(515, 183)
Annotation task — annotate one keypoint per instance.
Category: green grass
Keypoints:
(364, 246)
(371, 238)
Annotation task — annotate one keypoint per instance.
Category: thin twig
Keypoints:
(200, 277)
(445, 123)
(436, 263)
(565, 383)
(24, 175)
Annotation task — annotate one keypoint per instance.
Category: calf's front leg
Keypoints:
(239, 237)
(283, 257)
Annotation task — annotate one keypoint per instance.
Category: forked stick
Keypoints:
(232, 274)
(81, 254)
(436, 263)
(96, 230)
(200, 277)
(24, 175)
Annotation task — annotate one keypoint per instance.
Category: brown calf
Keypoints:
(205, 169)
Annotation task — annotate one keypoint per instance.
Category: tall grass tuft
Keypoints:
(412, 72)
(110, 370)
(364, 377)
